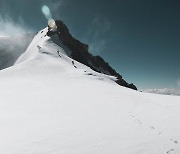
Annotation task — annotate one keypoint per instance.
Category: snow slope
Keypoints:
(51, 104)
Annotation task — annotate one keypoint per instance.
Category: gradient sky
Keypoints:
(140, 39)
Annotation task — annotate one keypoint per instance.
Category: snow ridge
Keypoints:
(43, 45)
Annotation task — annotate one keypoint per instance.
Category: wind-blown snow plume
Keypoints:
(13, 40)
(12, 47)
(11, 27)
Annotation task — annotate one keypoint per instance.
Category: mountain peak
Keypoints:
(80, 52)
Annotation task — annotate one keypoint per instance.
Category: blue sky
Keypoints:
(140, 39)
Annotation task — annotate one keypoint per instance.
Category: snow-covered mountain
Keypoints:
(79, 51)
(52, 104)
(164, 91)
(11, 47)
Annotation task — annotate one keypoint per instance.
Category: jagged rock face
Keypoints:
(79, 52)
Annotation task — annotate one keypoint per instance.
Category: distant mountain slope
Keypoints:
(79, 52)
(11, 47)
(164, 91)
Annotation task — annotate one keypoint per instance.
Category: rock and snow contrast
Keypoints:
(52, 104)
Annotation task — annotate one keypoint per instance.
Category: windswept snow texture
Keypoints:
(51, 104)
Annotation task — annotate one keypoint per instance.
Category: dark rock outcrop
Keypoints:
(79, 52)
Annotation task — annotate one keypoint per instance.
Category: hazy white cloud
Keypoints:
(10, 26)
(178, 82)
(164, 91)
(11, 47)
(97, 46)
(56, 5)
(96, 36)
(102, 24)
(14, 43)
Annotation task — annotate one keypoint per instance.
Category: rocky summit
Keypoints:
(79, 51)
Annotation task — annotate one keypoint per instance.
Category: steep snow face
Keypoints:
(42, 46)
(53, 104)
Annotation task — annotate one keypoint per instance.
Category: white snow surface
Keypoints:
(49, 105)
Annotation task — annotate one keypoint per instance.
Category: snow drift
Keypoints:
(52, 104)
